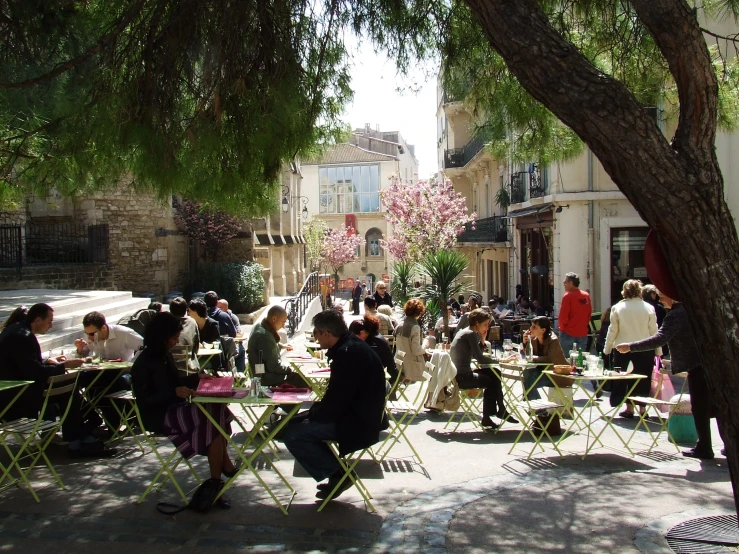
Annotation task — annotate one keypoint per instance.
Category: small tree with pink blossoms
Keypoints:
(426, 217)
(209, 226)
(340, 247)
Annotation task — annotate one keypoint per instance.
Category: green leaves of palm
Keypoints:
(444, 269)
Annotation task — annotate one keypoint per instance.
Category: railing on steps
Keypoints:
(298, 304)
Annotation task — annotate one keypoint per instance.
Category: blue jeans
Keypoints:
(240, 359)
(530, 376)
(567, 341)
(305, 441)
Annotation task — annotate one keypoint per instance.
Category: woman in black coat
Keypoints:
(368, 329)
(161, 392)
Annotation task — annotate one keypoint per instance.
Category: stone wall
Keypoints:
(147, 251)
(80, 277)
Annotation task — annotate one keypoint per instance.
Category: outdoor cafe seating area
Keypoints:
(572, 418)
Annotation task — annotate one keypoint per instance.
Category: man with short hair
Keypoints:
(574, 315)
(350, 411)
(240, 359)
(20, 360)
(190, 334)
(386, 324)
(208, 327)
(225, 323)
(108, 341)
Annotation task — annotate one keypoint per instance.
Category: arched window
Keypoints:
(372, 247)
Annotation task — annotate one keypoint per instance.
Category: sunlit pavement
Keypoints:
(469, 495)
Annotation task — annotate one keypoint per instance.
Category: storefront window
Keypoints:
(627, 258)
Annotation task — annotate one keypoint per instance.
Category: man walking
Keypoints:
(574, 314)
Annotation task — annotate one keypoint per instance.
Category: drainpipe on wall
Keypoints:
(591, 226)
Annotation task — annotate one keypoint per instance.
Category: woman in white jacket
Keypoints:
(408, 340)
(632, 320)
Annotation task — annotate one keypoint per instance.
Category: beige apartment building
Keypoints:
(343, 188)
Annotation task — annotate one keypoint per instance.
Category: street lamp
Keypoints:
(286, 201)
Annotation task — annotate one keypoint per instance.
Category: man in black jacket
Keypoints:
(20, 360)
(351, 410)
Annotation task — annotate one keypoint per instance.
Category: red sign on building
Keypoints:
(350, 221)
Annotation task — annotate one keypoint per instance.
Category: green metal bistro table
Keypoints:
(100, 368)
(315, 373)
(579, 415)
(257, 438)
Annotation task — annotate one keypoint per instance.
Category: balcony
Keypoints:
(460, 157)
(490, 230)
(524, 180)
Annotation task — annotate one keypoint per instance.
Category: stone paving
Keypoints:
(469, 495)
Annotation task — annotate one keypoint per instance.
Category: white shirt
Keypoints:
(632, 320)
(123, 342)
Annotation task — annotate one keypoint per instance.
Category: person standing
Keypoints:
(632, 320)
(684, 356)
(356, 297)
(574, 314)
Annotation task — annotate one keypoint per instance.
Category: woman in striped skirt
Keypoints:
(161, 393)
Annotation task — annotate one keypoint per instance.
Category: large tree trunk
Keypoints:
(676, 187)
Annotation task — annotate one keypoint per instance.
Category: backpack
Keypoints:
(138, 321)
(448, 399)
(202, 500)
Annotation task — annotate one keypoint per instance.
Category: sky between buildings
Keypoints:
(378, 101)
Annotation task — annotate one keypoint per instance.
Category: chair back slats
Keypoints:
(61, 384)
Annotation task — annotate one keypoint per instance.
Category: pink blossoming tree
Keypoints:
(209, 226)
(426, 216)
(340, 247)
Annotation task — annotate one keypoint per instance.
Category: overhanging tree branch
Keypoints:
(99, 46)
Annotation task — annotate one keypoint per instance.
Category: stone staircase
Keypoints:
(70, 306)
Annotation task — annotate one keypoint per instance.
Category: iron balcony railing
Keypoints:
(53, 243)
(488, 230)
(460, 157)
(297, 306)
(527, 181)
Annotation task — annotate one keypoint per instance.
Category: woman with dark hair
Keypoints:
(546, 349)
(161, 393)
(465, 347)
(408, 340)
(19, 314)
(368, 329)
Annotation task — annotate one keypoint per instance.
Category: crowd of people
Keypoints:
(351, 412)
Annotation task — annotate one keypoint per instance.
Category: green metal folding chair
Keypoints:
(469, 408)
(347, 464)
(657, 420)
(34, 436)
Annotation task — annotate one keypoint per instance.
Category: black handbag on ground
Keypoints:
(551, 422)
(201, 501)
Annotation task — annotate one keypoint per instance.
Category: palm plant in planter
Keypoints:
(444, 270)
(402, 283)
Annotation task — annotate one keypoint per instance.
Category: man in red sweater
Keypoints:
(574, 315)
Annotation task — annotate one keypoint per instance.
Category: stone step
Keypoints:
(63, 301)
(69, 327)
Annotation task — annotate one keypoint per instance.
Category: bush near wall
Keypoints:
(241, 284)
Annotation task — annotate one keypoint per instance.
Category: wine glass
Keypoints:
(507, 346)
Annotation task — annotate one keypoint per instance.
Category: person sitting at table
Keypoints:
(465, 348)
(451, 320)
(351, 411)
(155, 306)
(225, 323)
(388, 311)
(368, 329)
(408, 340)
(382, 296)
(107, 341)
(684, 356)
(632, 320)
(546, 349)
(264, 348)
(20, 360)
(207, 327)
(190, 335)
(464, 318)
(538, 309)
(386, 322)
(240, 359)
(161, 393)
(16, 316)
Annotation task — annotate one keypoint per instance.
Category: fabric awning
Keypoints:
(529, 211)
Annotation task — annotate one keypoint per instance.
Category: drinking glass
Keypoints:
(507, 346)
